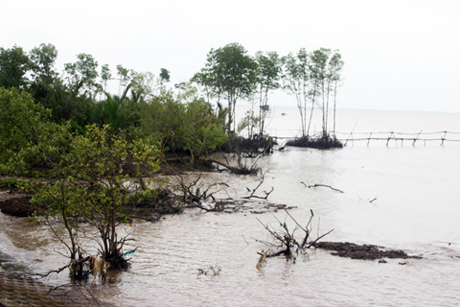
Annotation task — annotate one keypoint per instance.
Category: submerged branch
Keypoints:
(287, 239)
(79, 262)
(321, 185)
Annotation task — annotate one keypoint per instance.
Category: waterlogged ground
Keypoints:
(415, 209)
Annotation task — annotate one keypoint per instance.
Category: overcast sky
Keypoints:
(399, 55)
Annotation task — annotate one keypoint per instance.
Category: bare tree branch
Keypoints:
(321, 185)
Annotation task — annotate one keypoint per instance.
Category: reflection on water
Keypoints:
(416, 209)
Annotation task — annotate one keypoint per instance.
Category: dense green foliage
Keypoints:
(85, 177)
(14, 65)
(23, 122)
(93, 150)
(229, 73)
(144, 107)
(79, 94)
(13, 184)
(90, 185)
(185, 122)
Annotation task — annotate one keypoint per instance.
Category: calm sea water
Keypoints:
(285, 122)
(415, 207)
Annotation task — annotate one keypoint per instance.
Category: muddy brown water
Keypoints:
(415, 211)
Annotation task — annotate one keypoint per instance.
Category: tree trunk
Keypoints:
(323, 108)
(311, 115)
(327, 103)
(335, 105)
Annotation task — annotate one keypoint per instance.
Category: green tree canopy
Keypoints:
(164, 74)
(90, 184)
(269, 74)
(82, 75)
(14, 65)
(43, 59)
(106, 76)
(296, 81)
(22, 122)
(326, 66)
(184, 123)
(229, 73)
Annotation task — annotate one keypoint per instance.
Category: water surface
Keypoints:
(415, 207)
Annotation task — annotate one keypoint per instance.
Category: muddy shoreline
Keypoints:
(17, 205)
(22, 290)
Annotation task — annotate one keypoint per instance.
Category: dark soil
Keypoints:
(16, 203)
(363, 252)
(152, 209)
(17, 207)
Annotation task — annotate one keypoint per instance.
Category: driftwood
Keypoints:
(79, 262)
(321, 185)
(260, 197)
(253, 191)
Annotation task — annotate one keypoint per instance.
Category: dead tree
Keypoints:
(285, 241)
(253, 191)
(195, 192)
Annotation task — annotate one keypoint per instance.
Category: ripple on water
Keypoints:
(419, 216)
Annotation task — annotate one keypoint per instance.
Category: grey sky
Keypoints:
(399, 55)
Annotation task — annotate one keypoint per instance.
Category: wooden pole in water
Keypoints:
(351, 136)
(443, 138)
(389, 138)
(413, 143)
